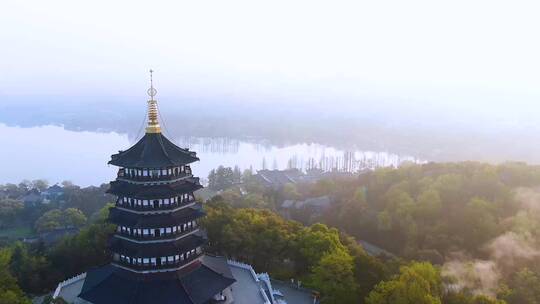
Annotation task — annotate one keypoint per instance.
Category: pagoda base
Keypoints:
(200, 282)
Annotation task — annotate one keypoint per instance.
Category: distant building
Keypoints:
(278, 178)
(158, 247)
(321, 203)
(32, 198)
(54, 236)
(3, 194)
(52, 193)
(314, 206)
(374, 250)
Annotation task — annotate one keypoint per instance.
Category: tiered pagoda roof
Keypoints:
(134, 220)
(157, 249)
(197, 285)
(153, 150)
(123, 188)
(165, 248)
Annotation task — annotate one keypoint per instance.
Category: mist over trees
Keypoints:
(422, 133)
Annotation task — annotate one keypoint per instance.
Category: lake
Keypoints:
(56, 154)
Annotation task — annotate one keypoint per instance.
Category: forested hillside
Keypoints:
(479, 223)
(457, 233)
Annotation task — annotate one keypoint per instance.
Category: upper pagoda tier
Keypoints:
(153, 151)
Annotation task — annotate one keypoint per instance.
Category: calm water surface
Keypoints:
(56, 154)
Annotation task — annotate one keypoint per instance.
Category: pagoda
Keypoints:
(158, 246)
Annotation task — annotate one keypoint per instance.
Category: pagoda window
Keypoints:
(153, 261)
(168, 230)
(146, 232)
(156, 204)
(198, 250)
(157, 232)
(174, 229)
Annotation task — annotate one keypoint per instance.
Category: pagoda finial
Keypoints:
(153, 122)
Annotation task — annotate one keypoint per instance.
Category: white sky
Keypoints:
(432, 52)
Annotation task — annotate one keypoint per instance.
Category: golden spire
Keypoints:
(153, 121)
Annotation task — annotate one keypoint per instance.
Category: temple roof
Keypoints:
(122, 188)
(110, 284)
(158, 220)
(153, 151)
(166, 248)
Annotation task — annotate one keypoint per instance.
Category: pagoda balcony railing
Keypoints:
(163, 236)
(155, 266)
(151, 207)
(153, 177)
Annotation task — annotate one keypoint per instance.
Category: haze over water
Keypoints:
(56, 154)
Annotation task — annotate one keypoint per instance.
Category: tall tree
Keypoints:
(333, 277)
(418, 283)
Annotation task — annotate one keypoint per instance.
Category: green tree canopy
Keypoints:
(417, 283)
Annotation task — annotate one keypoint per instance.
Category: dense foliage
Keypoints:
(478, 222)
(317, 255)
(38, 270)
(56, 218)
(474, 230)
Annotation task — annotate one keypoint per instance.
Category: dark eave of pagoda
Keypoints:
(160, 220)
(168, 248)
(110, 284)
(123, 188)
(153, 151)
